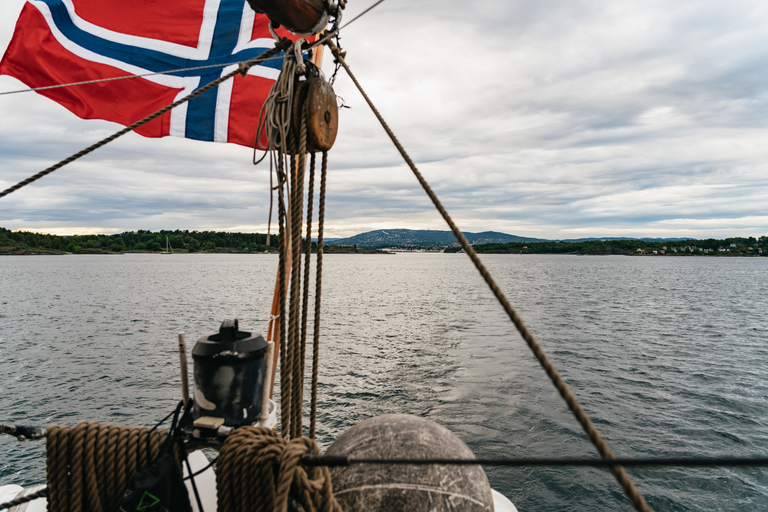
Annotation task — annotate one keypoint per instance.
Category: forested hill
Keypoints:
(22, 242)
(423, 239)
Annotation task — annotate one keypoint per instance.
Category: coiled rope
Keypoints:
(258, 470)
(88, 466)
(602, 447)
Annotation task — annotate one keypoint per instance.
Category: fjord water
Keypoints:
(668, 355)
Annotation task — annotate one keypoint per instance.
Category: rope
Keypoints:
(42, 493)
(288, 141)
(285, 376)
(275, 114)
(329, 34)
(594, 436)
(318, 290)
(307, 257)
(125, 77)
(296, 365)
(258, 470)
(88, 466)
(279, 46)
(333, 461)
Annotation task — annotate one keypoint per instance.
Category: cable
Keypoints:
(201, 471)
(361, 14)
(637, 499)
(337, 461)
(341, 461)
(124, 77)
(279, 46)
(332, 33)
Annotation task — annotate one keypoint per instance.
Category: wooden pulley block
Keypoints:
(305, 17)
(322, 114)
(316, 96)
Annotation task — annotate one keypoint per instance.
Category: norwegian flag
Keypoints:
(66, 41)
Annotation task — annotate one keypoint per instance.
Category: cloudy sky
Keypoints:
(550, 119)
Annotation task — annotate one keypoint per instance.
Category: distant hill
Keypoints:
(424, 238)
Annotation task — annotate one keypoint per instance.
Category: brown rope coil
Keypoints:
(88, 466)
(258, 470)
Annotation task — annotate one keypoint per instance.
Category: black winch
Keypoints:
(229, 377)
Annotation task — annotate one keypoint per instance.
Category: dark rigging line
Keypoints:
(169, 72)
(337, 461)
(329, 35)
(37, 433)
(282, 45)
(628, 486)
(361, 14)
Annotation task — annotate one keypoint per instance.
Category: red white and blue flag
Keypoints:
(66, 41)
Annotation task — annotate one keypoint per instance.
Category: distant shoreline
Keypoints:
(326, 250)
(213, 242)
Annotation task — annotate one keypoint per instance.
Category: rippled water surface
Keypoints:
(669, 356)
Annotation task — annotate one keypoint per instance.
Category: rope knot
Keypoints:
(259, 468)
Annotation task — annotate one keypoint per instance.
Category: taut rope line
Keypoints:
(307, 256)
(318, 293)
(279, 46)
(126, 77)
(573, 404)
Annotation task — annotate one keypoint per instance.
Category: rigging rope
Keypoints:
(336, 461)
(295, 365)
(318, 294)
(42, 493)
(602, 447)
(125, 77)
(279, 46)
(307, 256)
(285, 376)
(284, 140)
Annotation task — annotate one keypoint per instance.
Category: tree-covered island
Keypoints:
(25, 242)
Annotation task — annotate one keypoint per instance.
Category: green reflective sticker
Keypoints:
(147, 500)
